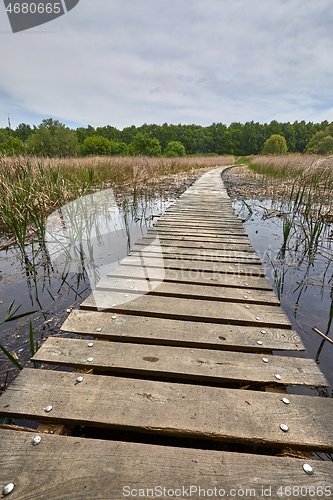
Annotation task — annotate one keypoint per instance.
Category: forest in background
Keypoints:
(53, 139)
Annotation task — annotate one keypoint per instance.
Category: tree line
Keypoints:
(52, 138)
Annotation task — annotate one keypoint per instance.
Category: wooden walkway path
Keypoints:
(178, 385)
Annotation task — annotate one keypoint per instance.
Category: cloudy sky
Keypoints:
(129, 62)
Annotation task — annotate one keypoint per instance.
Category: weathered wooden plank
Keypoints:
(217, 237)
(196, 231)
(244, 269)
(200, 242)
(192, 254)
(199, 365)
(150, 330)
(213, 215)
(163, 223)
(71, 468)
(220, 215)
(188, 253)
(189, 276)
(194, 309)
(187, 290)
(195, 235)
(171, 409)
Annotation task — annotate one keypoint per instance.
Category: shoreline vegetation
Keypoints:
(300, 188)
(31, 188)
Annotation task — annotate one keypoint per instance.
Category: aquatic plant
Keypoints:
(11, 315)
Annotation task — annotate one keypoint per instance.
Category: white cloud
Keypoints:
(136, 61)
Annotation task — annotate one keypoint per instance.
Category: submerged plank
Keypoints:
(171, 409)
(194, 309)
(71, 468)
(150, 330)
(199, 365)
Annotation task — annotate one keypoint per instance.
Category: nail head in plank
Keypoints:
(190, 276)
(171, 409)
(182, 363)
(131, 328)
(140, 466)
(195, 309)
(187, 290)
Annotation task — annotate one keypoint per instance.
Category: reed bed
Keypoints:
(305, 179)
(301, 187)
(31, 188)
(310, 168)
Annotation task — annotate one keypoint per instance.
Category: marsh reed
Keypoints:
(305, 185)
(31, 188)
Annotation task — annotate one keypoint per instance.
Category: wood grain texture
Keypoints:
(188, 290)
(195, 253)
(170, 248)
(70, 468)
(159, 331)
(193, 276)
(247, 417)
(198, 365)
(194, 309)
(244, 269)
(212, 242)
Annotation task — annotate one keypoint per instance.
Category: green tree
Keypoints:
(23, 131)
(3, 139)
(174, 148)
(109, 132)
(96, 145)
(118, 148)
(145, 145)
(52, 138)
(12, 147)
(65, 142)
(275, 145)
(83, 132)
(322, 142)
(40, 142)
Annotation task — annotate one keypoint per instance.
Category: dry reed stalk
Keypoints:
(31, 188)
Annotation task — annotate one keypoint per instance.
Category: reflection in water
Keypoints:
(86, 234)
(83, 241)
(88, 237)
(301, 274)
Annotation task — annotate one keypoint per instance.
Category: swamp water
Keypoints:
(301, 275)
(84, 240)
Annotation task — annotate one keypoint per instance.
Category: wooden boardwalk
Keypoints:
(181, 381)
